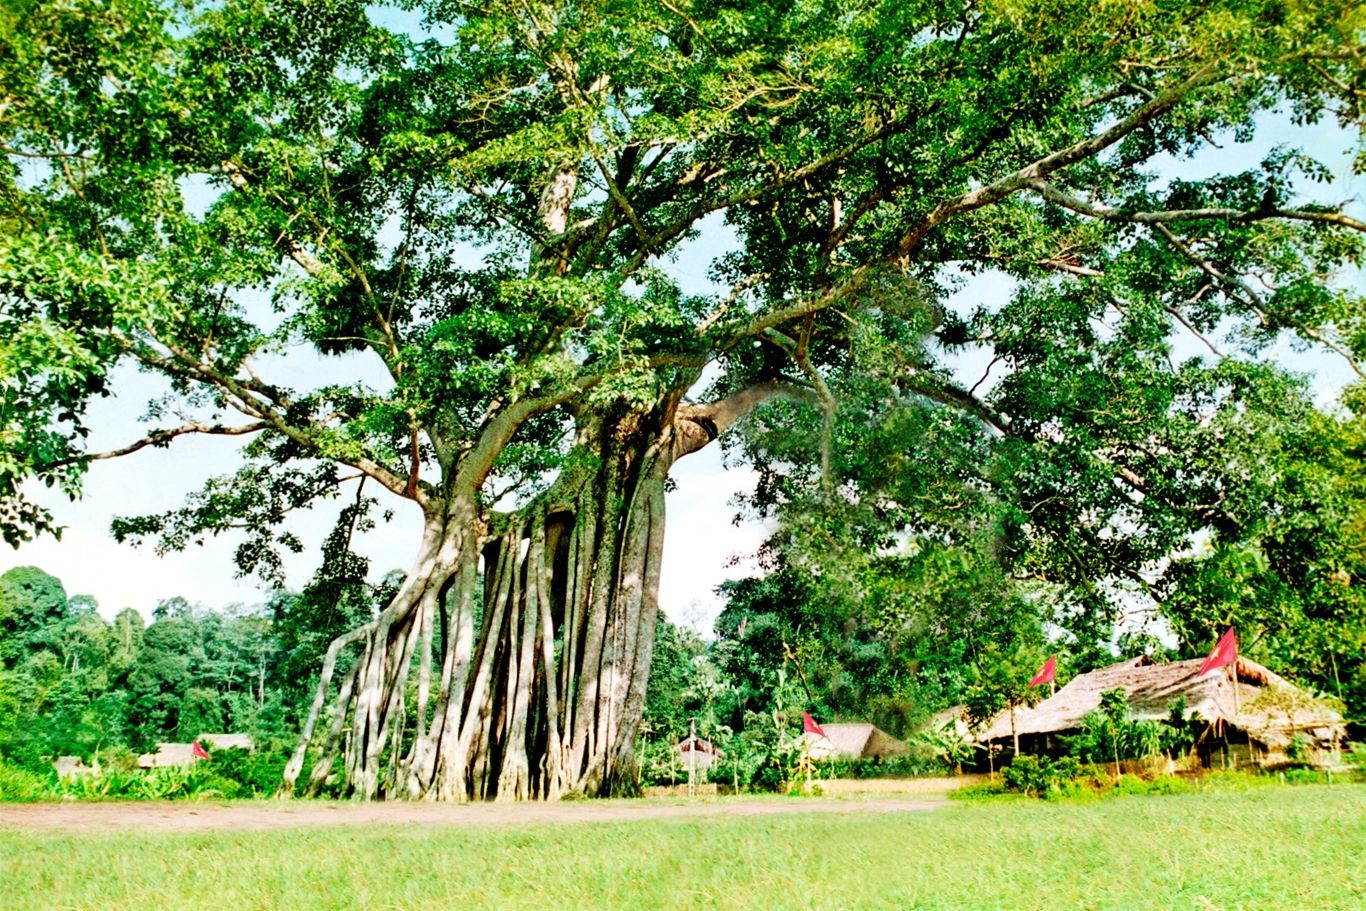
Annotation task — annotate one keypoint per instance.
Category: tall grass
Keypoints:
(1266, 850)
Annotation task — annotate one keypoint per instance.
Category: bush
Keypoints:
(18, 784)
(257, 773)
(197, 782)
(982, 791)
(1036, 776)
(902, 765)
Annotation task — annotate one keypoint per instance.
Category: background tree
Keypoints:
(82, 685)
(534, 403)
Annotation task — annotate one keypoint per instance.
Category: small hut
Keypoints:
(695, 753)
(227, 742)
(182, 754)
(857, 740)
(1255, 727)
(71, 767)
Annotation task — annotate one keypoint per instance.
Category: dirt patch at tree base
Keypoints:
(217, 817)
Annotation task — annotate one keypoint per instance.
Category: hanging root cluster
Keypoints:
(512, 663)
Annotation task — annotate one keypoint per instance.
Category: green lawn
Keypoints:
(1281, 848)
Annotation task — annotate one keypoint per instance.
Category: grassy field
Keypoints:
(1281, 848)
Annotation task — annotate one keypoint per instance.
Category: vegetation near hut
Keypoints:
(487, 201)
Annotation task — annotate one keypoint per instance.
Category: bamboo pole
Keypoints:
(692, 757)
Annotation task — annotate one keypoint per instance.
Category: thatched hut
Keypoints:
(71, 767)
(167, 755)
(695, 753)
(182, 754)
(1257, 727)
(228, 741)
(858, 740)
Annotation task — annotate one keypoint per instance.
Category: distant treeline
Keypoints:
(75, 683)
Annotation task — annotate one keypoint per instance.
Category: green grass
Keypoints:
(1281, 848)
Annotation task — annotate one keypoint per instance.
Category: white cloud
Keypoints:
(700, 540)
(119, 575)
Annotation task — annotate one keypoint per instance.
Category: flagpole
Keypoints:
(692, 757)
(806, 758)
(1237, 708)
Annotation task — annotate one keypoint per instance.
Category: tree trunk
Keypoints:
(543, 653)
(547, 622)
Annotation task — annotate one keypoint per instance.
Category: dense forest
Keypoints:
(75, 682)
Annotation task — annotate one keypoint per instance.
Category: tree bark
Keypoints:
(548, 618)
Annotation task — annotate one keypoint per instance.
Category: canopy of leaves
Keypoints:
(481, 197)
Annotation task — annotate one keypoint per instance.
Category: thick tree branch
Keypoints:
(697, 425)
(499, 429)
(1079, 151)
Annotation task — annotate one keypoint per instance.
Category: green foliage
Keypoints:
(196, 782)
(913, 764)
(1110, 733)
(950, 746)
(201, 781)
(33, 606)
(72, 683)
(21, 785)
(1039, 776)
(255, 772)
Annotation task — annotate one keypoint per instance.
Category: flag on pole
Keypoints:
(198, 751)
(1225, 652)
(1047, 674)
(809, 725)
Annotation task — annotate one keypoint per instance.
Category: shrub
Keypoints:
(950, 747)
(1036, 776)
(901, 765)
(257, 773)
(18, 784)
(1298, 749)
(170, 783)
(1110, 734)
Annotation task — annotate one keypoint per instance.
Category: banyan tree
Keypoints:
(581, 240)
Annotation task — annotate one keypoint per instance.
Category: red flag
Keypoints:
(198, 751)
(1048, 673)
(809, 725)
(1225, 652)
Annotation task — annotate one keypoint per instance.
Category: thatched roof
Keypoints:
(858, 740)
(71, 767)
(182, 754)
(1271, 709)
(168, 754)
(227, 741)
(693, 742)
(694, 752)
(954, 717)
